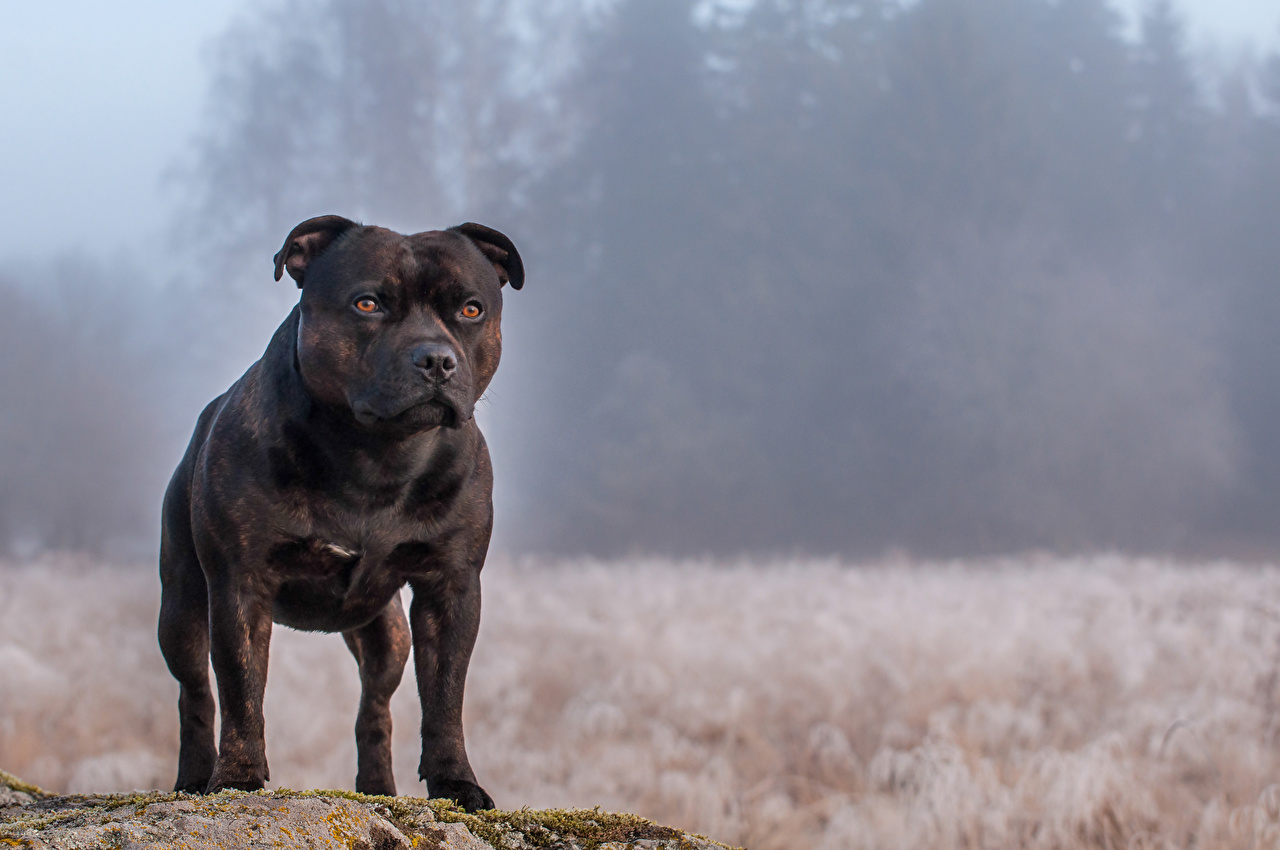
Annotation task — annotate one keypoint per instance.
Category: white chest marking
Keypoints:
(340, 551)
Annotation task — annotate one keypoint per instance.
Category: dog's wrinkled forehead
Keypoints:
(416, 265)
(445, 256)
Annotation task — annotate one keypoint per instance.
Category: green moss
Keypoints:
(86, 807)
(551, 827)
(14, 783)
(539, 828)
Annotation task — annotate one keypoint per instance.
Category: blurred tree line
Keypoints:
(824, 275)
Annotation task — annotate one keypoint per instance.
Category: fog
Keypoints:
(957, 277)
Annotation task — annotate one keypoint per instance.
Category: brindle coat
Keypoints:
(343, 464)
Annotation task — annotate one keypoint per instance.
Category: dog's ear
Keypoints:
(305, 242)
(499, 249)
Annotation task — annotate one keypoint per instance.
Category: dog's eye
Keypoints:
(472, 310)
(366, 305)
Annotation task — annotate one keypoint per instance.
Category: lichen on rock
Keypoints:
(33, 818)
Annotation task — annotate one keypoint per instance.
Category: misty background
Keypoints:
(951, 276)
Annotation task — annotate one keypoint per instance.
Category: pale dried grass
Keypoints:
(1033, 702)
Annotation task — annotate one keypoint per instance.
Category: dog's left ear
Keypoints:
(306, 241)
(499, 249)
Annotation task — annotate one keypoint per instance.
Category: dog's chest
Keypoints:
(347, 559)
(337, 544)
(332, 586)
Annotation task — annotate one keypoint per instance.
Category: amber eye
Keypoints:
(471, 310)
(367, 305)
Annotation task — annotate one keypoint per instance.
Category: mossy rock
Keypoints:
(33, 818)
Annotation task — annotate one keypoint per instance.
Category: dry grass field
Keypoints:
(1029, 702)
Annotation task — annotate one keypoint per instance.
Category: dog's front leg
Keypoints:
(444, 618)
(240, 638)
(381, 649)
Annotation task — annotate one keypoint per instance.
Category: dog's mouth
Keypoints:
(433, 412)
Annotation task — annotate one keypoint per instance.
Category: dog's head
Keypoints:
(403, 331)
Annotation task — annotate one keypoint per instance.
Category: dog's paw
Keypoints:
(195, 766)
(241, 778)
(379, 786)
(231, 784)
(470, 796)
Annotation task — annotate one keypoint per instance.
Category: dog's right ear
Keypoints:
(306, 241)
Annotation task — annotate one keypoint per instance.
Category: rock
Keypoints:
(9, 797)
(33, 818)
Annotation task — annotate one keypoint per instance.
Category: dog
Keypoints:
(343, 465)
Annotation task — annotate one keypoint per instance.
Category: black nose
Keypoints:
(437, 360)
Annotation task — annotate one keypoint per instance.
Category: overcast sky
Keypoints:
(99, 99)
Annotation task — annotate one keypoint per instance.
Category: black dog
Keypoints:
(342, 465)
